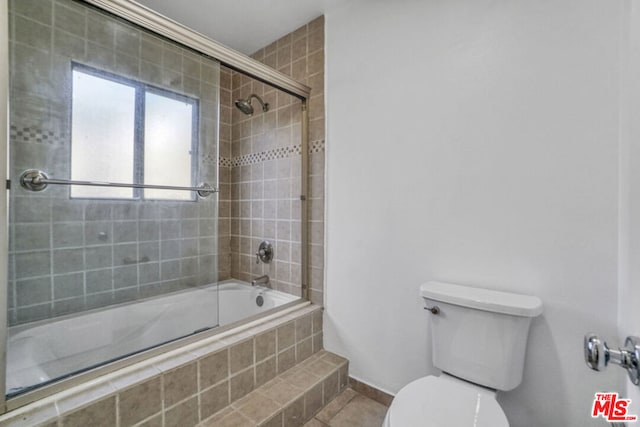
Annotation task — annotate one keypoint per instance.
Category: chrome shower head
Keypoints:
(245, 106)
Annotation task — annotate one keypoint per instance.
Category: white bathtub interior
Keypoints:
(42, 352)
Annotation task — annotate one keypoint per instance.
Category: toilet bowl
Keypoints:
(479, 339)
(444, 401)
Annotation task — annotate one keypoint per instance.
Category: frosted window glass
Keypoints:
(168, 137)
(102, 135)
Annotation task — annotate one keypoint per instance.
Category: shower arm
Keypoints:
(265, 105)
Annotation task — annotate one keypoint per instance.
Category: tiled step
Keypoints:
(351, 409)
(291, 398)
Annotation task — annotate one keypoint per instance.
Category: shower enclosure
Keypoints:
(138, 194)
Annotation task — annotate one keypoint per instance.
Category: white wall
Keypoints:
(474, 141)
(629, 264)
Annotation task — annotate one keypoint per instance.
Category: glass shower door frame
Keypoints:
(4, 201)
(150, 20)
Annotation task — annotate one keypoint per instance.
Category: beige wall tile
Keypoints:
(360, 411)
(317, 297)
(214, 399)
(317, 321)
(214, 368)
(303, 328)
(284, 40)
(317, 277)
(242, 384)
(286, 359)
(270, 49)
(316, 24)
(281, 392)
(370, 392)
(333, 359)
(320, 368)
(214, 421)
(317, 342)
(286, 336)
(233, 419)
(294, 413)
(316, 132)
(299, 33)
(39, 10)
(265, 345)
(184, 414)
(180, 384)
(331, 386)
(259, 408)
(313, 401)
(266, 370)
(271, 60)
(344, 376)
(139, 402)
(299, 47)
(275, 421)
(152, 422)
(99, 414)
(304, 349)
(316, 41)
(241, 356)
(332, 408)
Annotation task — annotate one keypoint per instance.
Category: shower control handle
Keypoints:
(265, 253)
(598, 355)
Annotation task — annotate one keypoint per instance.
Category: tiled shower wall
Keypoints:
(68, 255)
(265, 187)
(263, 165)
(224, 168)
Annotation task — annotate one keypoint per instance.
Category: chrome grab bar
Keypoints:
(36, 180)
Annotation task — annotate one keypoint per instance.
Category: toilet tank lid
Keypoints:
(482, 299)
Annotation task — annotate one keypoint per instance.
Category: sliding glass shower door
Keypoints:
(113, 204)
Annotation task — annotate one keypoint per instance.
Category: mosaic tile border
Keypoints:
(30, 135)
(316, 146)
(277, 153)
(34, 135)
(209, 159)
(225, 162)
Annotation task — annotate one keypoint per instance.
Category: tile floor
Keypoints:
(350, 409)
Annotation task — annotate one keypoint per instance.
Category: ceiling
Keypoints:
(243, 25)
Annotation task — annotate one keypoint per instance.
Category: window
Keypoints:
(129, 132)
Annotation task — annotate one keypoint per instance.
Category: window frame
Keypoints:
(141, 89)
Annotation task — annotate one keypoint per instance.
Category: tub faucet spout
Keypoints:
(262, 280)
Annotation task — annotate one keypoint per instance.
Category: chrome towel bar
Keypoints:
(36, 180)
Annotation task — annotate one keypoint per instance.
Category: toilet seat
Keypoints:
(445, 401)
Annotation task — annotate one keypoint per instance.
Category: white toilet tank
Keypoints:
(480, 335)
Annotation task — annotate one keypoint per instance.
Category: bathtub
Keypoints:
(42, 352)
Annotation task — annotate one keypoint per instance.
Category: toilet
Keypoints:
(479, 338)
